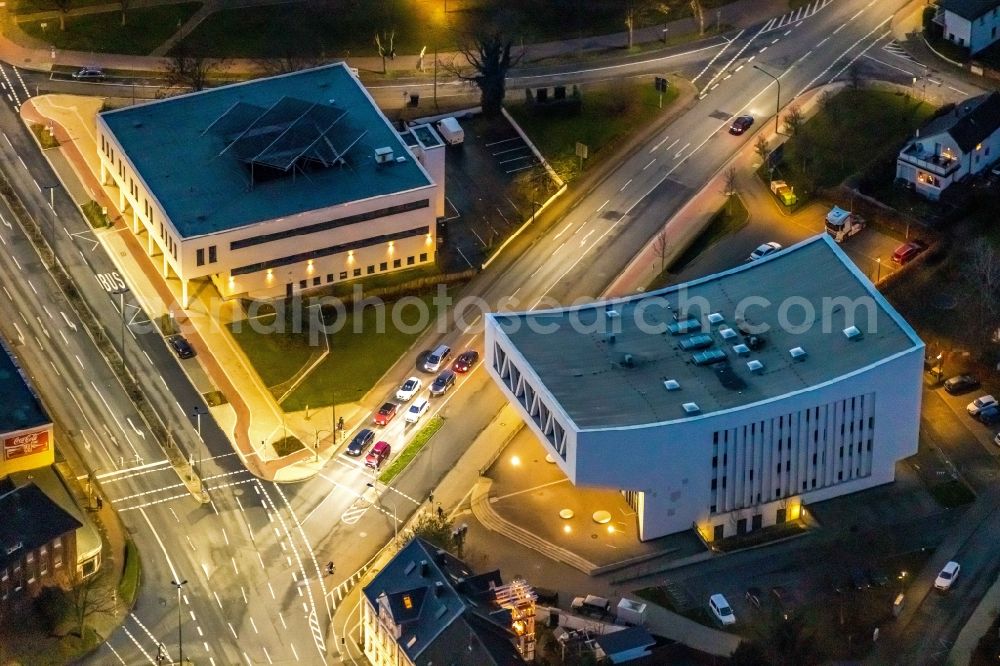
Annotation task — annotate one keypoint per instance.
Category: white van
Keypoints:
(451, 131)
(416, 410)
(436, 358)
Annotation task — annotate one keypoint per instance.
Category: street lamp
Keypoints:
(878, 264)
(121, 303)
(395, 522)
(180, 637)
(777, 101)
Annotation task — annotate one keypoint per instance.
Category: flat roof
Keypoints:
(204, 188)
(602, 382)
(21, 407)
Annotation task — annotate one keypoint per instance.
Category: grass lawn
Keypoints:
(854, 129)
(320, 29)
(609, 114)
(418, 442)
(128, 586)
(146, 29)
(361, 350)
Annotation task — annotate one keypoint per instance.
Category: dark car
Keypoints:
(961, 384)
(386, 413)
(89, 73)
(443, 382)
(740, 125)
(908, 251)
(181, 346)
(361, 441)
(546, 597)
(465, 361)
(989, 415)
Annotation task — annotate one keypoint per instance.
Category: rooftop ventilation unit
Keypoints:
(691, 408)
(708, 357)
(797, 353)
(716, 318)
(741, 350)
(383, 155)
(612, 314)
(672, 385)
(727, 333)
(755, 366)
(852, 333)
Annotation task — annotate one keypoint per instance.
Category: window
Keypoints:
(715, 461)
(714, 484)
(200, 256)
(316, 281)
(840, 476)
(778, 470)
(869, 445)
(814, 483)
(751, 475)
(409, 261)
(329, 278)
(212, 256)
(788, 466)
(777, 493)
(343, 275)
(302, 284)
(357, 272)
(423, 256)
(371, 269)
(804, 485)
(723, 482)
(397, 263)
(712, 509)
(384, 266)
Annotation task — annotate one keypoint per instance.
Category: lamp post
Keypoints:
(121, 304)
(180, 637)
(395, 522)
(878, 264)
(777, 101)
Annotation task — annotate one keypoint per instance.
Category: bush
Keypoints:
(52, 607)
(287, 445)
(128, 587)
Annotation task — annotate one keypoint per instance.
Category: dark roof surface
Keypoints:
(973, 127)
(30, 519)
(969, 9)
(20, 408)
(450, 608)
(195, 151)
(626, 639)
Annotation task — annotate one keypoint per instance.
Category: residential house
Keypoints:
(427, 607)
(952, 146)
(972, 24)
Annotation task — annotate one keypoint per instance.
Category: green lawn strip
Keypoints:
(386, 280)
(145, 29)
(313, 30)
(609, 113)
(418, 442)
(854, 129)
(128, 586)
(45, 140)
(275, 352)
(94, 214)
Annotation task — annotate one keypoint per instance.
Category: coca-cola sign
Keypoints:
(25, 444)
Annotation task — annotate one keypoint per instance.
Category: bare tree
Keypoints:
(793, 120)
(699, 15)
(984, 270)
(761, 148)
(384, 43)
(187, 69)
(124, 4)
(287, 64)
(731, 188)
(488, 51)
(661, 248)
(63, 6)
(92, 596)
(634, 11)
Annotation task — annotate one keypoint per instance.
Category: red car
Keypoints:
(908, 251)
(386, 413)
(465, 361)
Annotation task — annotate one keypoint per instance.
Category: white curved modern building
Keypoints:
(725, 403)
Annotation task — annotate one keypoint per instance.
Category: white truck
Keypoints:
(451, 131)
(842, 224)
(630, 612)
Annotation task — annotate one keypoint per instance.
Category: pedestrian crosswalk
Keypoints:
(893, 47)
(795, 15)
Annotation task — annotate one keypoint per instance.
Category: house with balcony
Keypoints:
(957, 144)
(972, 24)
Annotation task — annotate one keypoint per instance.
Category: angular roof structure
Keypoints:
(969, 9)
(30, 520)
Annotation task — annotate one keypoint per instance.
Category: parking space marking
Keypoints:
(497, 143)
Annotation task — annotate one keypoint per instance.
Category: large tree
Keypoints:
(185, 68)
(63, 6)
(488, 50)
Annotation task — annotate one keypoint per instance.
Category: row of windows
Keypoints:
(13, 579)
(384, 266)
(327, 251)
(212, 255)
(329, 224)
(788, 464)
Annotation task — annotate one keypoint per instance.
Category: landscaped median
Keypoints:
(418, 442)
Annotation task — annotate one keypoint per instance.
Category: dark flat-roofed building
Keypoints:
(726, 402)
(26, 436)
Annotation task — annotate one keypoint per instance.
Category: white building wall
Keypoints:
(985, 30)
(670, 464)
(957, 29)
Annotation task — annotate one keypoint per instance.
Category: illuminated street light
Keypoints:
(777, 101)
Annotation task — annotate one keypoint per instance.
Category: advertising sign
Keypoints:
(25, 444)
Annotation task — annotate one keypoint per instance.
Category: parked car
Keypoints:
(764, 250)
(408, 389)
(979, 404)
(947, 577)
(961, 384)
(908, 251)
(361, 442)
(592, 605)
(443, 382)
(436, 358)
(721, 609)
(990, 415)
(416, 410)
(89, 73)
(465, 361)
(377, 455)
(181, 346)
(386, 413)
(546, 597)
(996, 440)
(740, 125)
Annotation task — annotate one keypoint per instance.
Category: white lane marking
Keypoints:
(716, 57)
(67, 320)
(625, 185)
(651, 163)
(678, 153)
(662, 141)
(602, 206)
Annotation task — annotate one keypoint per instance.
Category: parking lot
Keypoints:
(493, 180)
